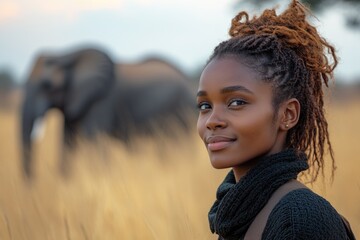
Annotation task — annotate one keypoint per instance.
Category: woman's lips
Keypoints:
(217, 143)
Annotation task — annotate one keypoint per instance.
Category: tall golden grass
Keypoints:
(150, 193)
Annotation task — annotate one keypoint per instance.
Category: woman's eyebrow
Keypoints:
(201, 93)
(229, 89)
(235, 89)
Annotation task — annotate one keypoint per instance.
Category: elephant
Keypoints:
(96, 95)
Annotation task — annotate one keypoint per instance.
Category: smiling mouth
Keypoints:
(217, 143)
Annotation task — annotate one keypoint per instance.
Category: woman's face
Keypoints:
(236, 119)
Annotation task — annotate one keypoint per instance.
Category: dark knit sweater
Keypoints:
(301, 214)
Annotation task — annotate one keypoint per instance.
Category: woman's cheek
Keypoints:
(201, 125)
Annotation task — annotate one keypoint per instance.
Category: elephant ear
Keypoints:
(89, 76)
(36, 69)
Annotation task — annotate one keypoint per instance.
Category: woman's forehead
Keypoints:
(228, 71)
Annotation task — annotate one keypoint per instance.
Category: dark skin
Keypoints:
(237, 120)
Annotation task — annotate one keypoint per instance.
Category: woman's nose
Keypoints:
(216, 120)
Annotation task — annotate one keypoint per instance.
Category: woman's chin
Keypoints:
(219, 164)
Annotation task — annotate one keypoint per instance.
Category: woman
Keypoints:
(262, 114)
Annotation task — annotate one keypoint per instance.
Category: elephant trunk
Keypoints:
(32, 109)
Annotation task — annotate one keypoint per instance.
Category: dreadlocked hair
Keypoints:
(288, 52)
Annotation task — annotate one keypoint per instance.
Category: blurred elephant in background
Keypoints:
(95, 95)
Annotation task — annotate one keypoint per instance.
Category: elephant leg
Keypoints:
(27, 162)
(65, 166)
(69, 140)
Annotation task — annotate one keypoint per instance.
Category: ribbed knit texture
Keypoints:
(237, 204)
(302, 214)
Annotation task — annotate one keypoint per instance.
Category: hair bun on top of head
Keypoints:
(269, 22)
(293, 31)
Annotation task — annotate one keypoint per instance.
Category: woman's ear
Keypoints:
(289, 114)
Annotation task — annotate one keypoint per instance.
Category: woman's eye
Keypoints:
(203, 106)
(237, 102)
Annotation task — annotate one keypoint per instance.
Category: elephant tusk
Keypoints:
(37, 133)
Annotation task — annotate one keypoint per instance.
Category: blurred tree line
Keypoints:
(351, 8)
(7, 81)
(7, 85)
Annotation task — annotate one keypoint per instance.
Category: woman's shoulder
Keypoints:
(302, 214)
(304, 199)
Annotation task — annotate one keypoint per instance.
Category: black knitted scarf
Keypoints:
(237, 204)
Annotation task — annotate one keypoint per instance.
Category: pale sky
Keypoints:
(183, 31)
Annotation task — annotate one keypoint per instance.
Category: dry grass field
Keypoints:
(150, 194)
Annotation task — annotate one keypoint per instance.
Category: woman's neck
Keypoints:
(241, 170)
